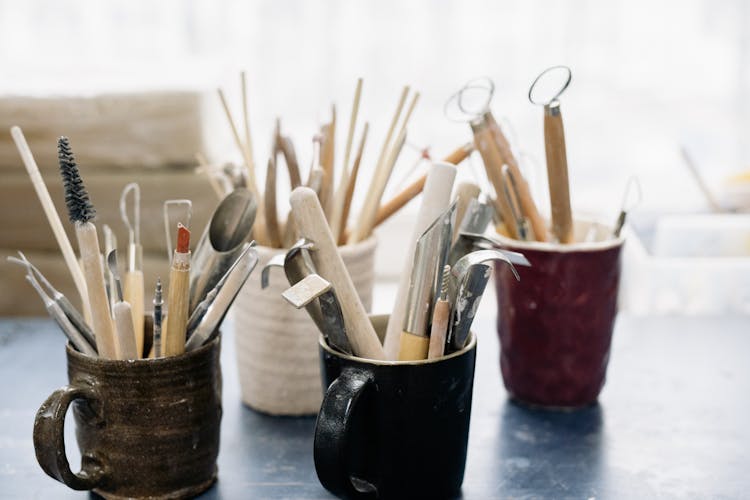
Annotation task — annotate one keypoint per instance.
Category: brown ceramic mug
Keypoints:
(147, 428)
(555, 325)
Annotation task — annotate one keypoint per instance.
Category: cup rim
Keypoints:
(391, 362)
(141, 361)
(579, 246)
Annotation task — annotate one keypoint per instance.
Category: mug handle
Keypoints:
(332, 431)
(49, 440)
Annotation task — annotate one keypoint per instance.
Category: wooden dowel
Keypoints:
(272, 218)
(412, 190)
(327, 150)
(248, 145)
(337, 224)
(238, 141)
(557, 174)
(352, 184)
(312, 224)
(52, 217)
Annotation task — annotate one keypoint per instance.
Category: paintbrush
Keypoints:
(81, 213)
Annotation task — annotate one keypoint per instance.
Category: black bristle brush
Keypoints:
(81, 213)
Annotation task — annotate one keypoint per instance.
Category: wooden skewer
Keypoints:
(528, 206)
(238, 141)
(352, 184)
(337, 224)
(410, 192)
(52, 217)
(375, 193)
(203, 162)
(312, 224)
(557, 173)
(248, 146)
(272, 218)
(327, 151)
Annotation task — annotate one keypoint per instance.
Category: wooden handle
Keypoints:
(436, 199)
(133, 294)
(440, 318)
(175, 330)
(413, 347)
(557, 174)
(101, 321)
(343, 235)
(412, 190)
(528, 206)
(311, 224)
(126, 347)
(493, 165)
(272, 219)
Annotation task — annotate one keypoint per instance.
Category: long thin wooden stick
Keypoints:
(246, 122)
(340, 197)
(411, 191)
(238, 141)
(352, 184)
(327, 150)
(52, 217)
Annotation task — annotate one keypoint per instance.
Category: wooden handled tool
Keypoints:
(173, 340)
(465, 192)
(440, 318)
(436, 198)
(557, 173)
(311, 224)
(125, 344)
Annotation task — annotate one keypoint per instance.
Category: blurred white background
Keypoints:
(647, 75)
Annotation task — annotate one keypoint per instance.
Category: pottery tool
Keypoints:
(383, 169)
(208, 327)
(713, 202)
(184, 213)
(331, 321)
(247, 146)
(178, 296)
(70, 311)
(312, 225)
(338, 223)
(510, 191)
(52, 217)
(465, 192)
(284, 145)
(125, 343)
(81, 213)
(158, 304)
(411, 191)
(528, 207)
(222, 242)
(245, 150)
(440, 318)
(630, 199)
(134, 289)
(59, 308)
(545, 90)
(435, 200)
(327, 149)
(272, 218)
(366, 221)
(352, 184)
(110, 243)
(200, 310)
(470, 277)
(430, 256)
(58, 316)
(476, 219)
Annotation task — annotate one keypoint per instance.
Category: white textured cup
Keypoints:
(277, 345)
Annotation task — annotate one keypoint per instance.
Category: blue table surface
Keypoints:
(673, 421)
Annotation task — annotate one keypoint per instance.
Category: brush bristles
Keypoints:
(80, 208)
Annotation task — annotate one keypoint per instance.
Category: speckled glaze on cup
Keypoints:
(277, 345)
(145, 428)
(555, 325)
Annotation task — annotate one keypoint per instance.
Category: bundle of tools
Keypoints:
(446, 278)
(112, 326)
(335, 197)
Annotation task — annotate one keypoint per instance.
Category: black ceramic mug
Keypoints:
(146, 428)
(394, 429)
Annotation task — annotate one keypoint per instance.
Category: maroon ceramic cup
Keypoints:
(555, 325)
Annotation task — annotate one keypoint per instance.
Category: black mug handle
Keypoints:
(332, 431)
(49, 439)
